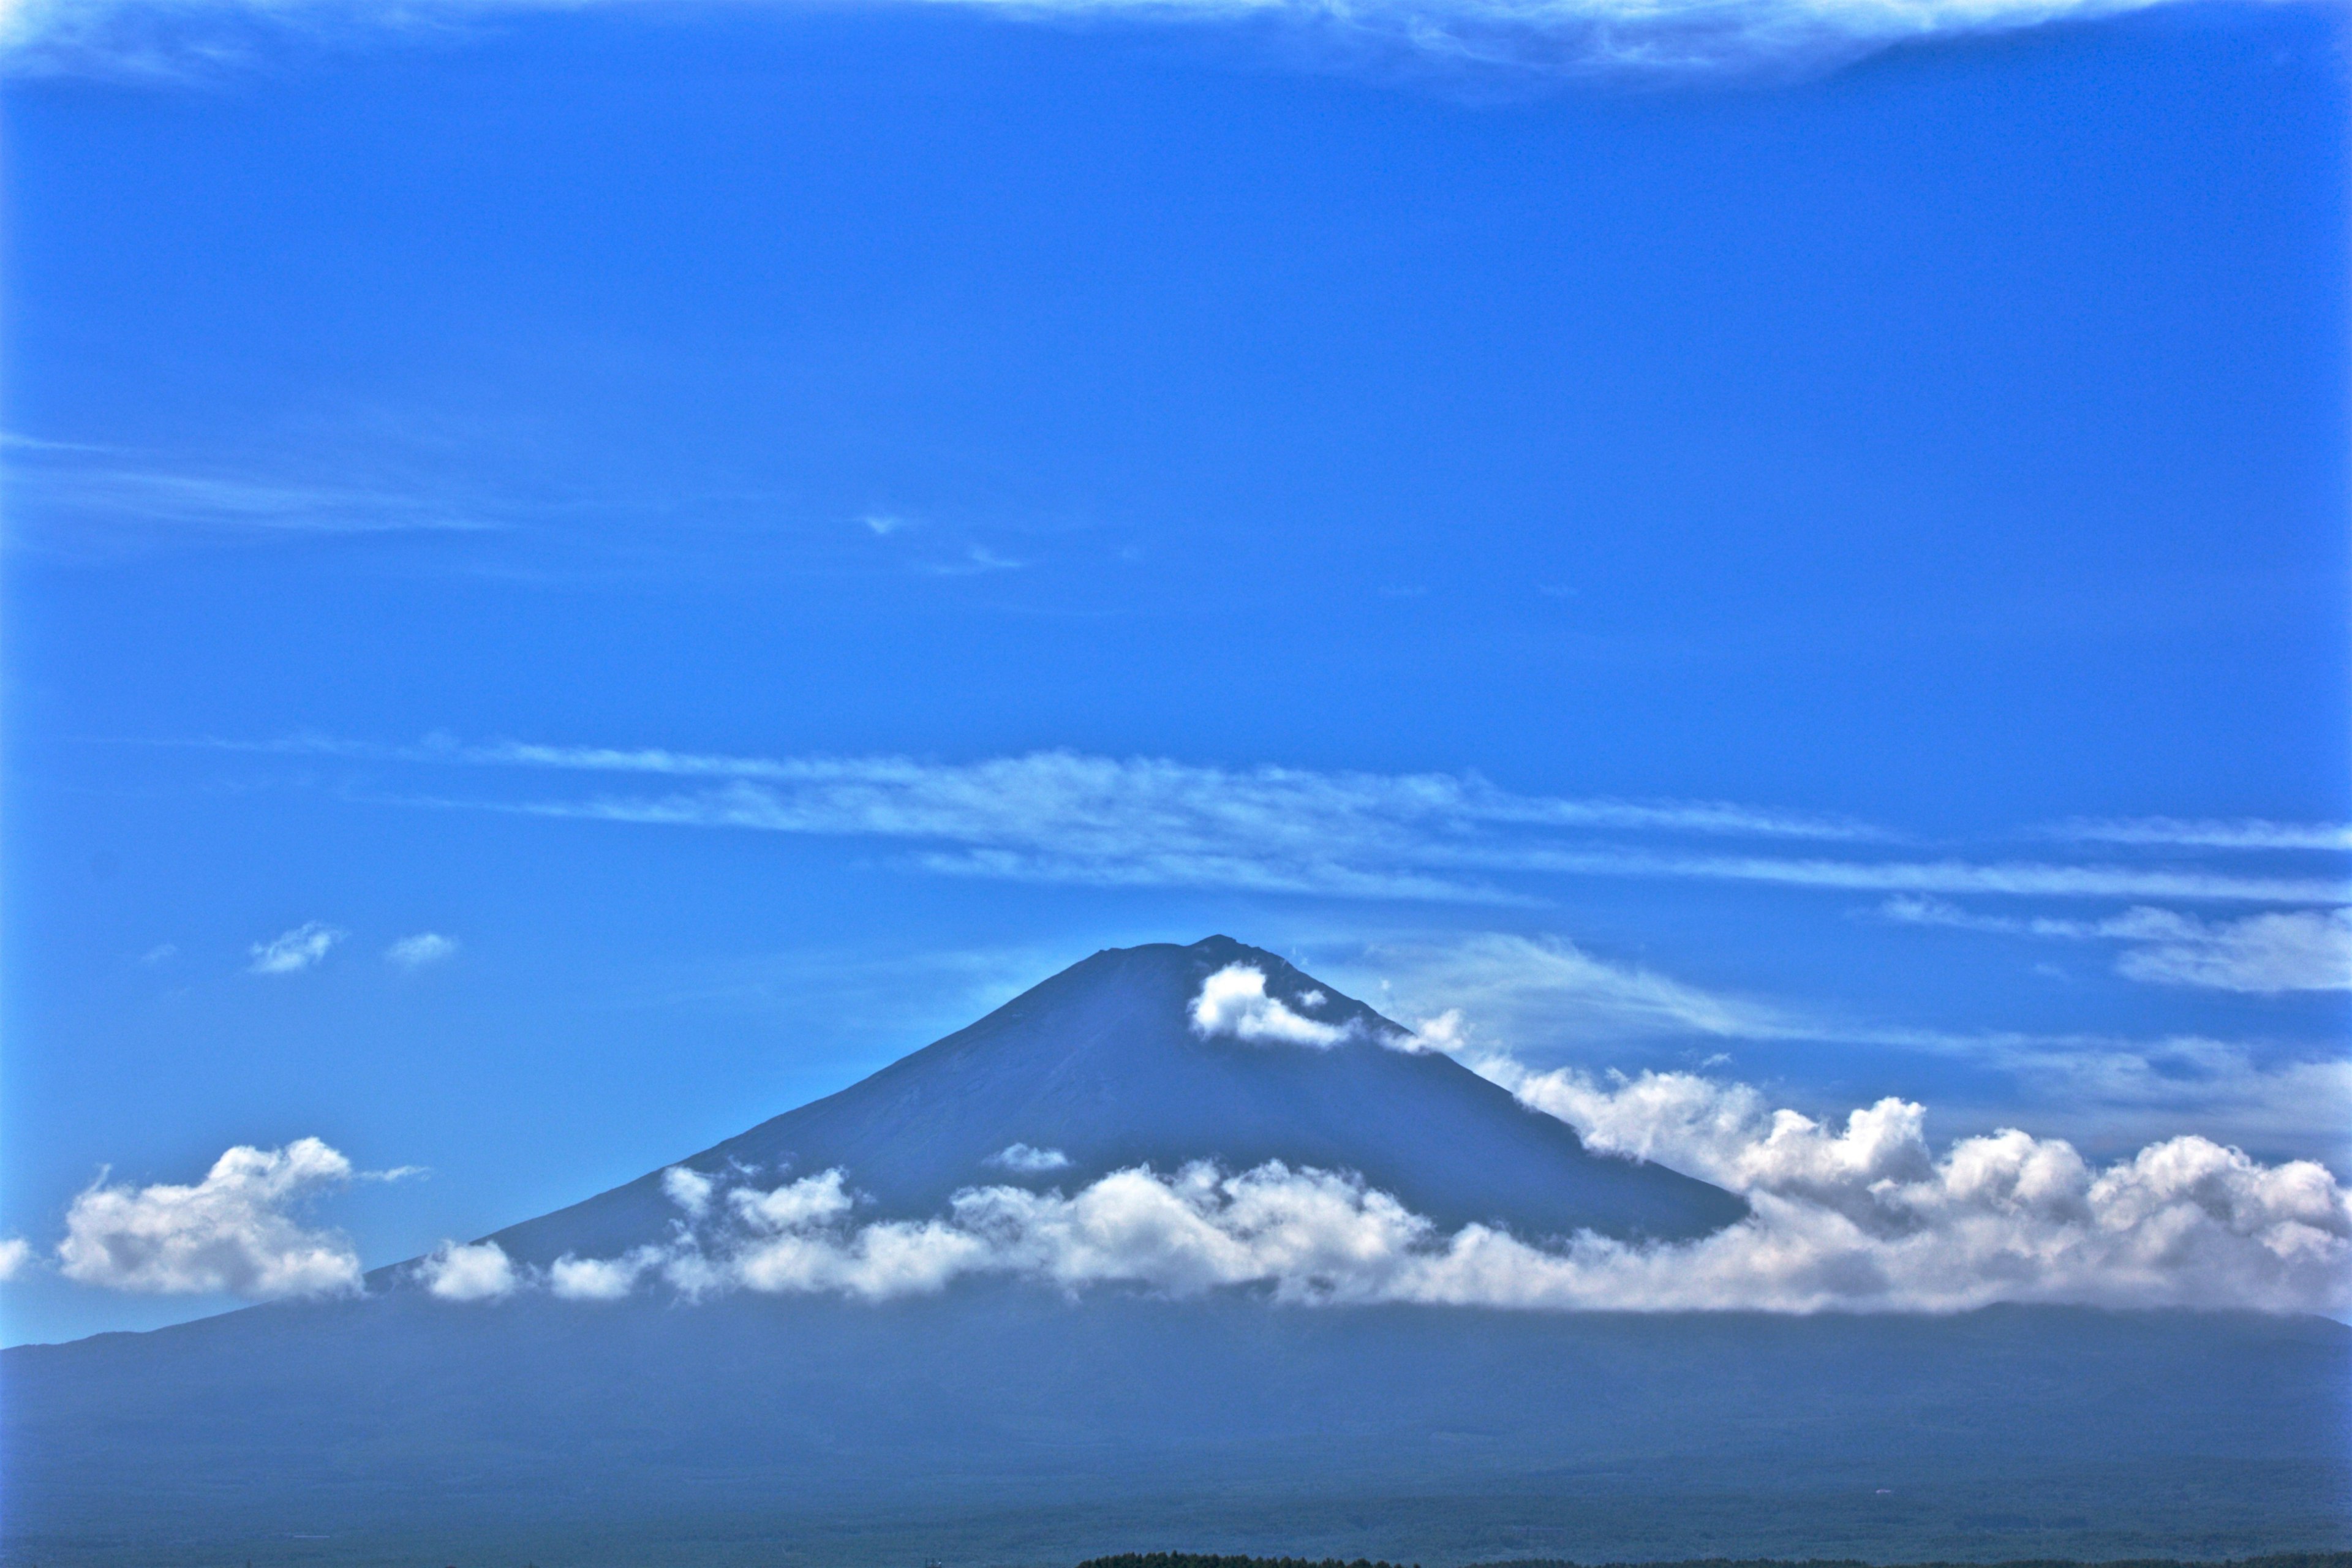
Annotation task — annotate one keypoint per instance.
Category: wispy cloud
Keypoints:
(414, 952)
(2296, 950)
(15, 1257)
(290, 952)
(1646, 37)
(2245, 832)
(1062, 816)
(1029, 1160)
(76, 499)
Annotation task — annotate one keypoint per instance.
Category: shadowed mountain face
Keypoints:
(1103, 1063)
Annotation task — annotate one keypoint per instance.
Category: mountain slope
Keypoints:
(1103, 1064)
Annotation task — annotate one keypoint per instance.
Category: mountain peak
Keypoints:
(1160, 1054)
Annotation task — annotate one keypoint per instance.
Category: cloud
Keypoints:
(690, 1190)
(232, 1232)
(1549, 985)
(1486, 996)
(63, 490)
(1064, 817)
(1547, 36)
(290, 952)
(1233, 1001)
(1855, 1217)
(416, 951)
(2245, 832)
(2300, 950)
(1028, 1161)
(480, 1272)
(573, 1278)
(16, 1254)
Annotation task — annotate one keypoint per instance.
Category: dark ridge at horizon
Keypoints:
(2270, 1560)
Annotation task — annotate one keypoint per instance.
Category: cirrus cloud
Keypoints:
(1651, 38)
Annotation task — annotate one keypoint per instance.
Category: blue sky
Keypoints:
(768, 530)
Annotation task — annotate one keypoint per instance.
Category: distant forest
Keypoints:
(1199, 1560)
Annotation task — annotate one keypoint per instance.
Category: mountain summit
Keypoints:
(1118, 1061)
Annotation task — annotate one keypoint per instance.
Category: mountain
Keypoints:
(997, 1422)
(1103, 1065)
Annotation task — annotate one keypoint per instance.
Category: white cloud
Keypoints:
(416, 951)
(140, 501)
(1028, 1161)
(598, 1280)
(690, 1190)
(1857, 1215)
(290, 952)
(2303, 950)
(1057, 816)
(478, 1272)
(1504, 993)
(1233, 1001)
(2245, 832)
(162, 37)
(2298, 949)
(233, 1232)
(1528, 985)
(16, 1253)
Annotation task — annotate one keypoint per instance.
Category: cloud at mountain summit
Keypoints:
(1233, 1001)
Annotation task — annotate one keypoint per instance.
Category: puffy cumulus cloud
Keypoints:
(1647, 37)
(235, 1231)
(690, 1190)
(15, 1255)
(1858, 1215)
(1029, 1161)
(416, 951)
(1233, 1001)
(1863, 1212)
(292, 951)
(2294, 949)
(480, 1271)
(599, 1278)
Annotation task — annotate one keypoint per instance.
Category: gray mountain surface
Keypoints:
(1102, 1063)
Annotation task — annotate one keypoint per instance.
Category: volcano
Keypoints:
(997, 1420)
(1105, 1066)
